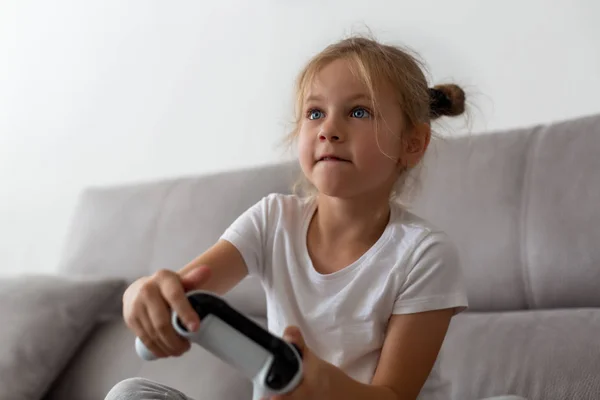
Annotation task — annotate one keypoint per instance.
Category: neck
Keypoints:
(357, 219)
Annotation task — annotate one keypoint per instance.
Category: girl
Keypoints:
(365, 288)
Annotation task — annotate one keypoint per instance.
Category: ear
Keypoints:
(416, 144)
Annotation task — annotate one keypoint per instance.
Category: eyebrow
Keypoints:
(354, 97)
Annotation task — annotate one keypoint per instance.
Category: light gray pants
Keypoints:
(143, 389)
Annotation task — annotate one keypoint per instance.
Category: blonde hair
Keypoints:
(379, 64)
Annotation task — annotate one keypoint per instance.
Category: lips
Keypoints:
(329, 157)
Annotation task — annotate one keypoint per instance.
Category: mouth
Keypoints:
(332, 158)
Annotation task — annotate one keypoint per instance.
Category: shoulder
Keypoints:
(430, 272)
(285, 199)
(284, 203)
(279, 208)
(412, 232)
(424, 246)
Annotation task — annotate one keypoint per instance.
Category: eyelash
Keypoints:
(369, 112)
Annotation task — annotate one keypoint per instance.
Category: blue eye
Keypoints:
(315, 114)
(360, 113)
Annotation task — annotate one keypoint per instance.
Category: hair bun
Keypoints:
(446, 100)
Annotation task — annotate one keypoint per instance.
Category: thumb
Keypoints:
(292, 334)
(195, 278)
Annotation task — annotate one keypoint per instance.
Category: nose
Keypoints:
(332, 129)
(331, 132)
(327, 136)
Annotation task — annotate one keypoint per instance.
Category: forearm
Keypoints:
(226, 265)
(342, 386)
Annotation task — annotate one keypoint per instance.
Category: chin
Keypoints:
(337, 189)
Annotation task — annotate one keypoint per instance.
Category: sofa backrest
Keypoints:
(134, 230)
(524, 208)
(522, 205)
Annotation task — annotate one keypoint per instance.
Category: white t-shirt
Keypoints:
(412, 267)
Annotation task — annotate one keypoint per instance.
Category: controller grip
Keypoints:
(142, 351)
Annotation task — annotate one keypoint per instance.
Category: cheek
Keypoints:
(380, 150)
(391, 144)
(305, 148)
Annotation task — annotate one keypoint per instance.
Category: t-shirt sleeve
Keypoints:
(434, 279)
(248, 233)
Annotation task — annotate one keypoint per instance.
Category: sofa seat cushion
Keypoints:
(544, 354)
(45, 319)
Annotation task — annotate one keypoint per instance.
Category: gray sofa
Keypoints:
(522, 205)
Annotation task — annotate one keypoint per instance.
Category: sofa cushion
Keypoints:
(522, 206)
(547, 354)
(472, 187)
(562, 210)
(44, 321)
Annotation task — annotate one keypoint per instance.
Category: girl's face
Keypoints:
(339, 150)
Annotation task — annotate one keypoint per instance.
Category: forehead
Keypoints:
(336, 78)
(342, 78)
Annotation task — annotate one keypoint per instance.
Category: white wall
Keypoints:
(117, 91)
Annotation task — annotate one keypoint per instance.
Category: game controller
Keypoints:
(272, 364)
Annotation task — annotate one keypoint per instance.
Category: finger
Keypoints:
(146, 336)
(148, 294)
(160, 319)
(151, 334)
(160, 316)
(174, 294)
(292, 334)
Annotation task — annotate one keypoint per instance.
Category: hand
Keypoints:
(316, 372)
(147, 305)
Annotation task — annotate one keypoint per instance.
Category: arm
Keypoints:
(226, 265)
(411, 347)
(147, 302)
(239, 252)
(217, 270)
